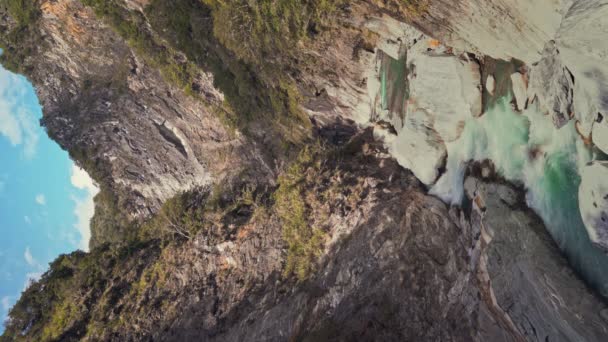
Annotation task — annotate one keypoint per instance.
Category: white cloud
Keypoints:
(29, 258)
(9, 125)
(40, 199)
(31, 278)
(18, 123)
(6, 303)
(85, 208)
(81, 180)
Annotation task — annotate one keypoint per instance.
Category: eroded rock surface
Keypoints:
(520, 89)
(552, 85)
(395, 263)
(593, 194)
(583, 50)
(534, 290)
(138, 135)
(500, 29)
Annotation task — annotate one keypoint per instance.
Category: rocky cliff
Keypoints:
(281, 170)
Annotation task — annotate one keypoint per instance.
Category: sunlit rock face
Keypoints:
(500, 29)
(532, 130)
(600, 132)
(562, 42)
(426, 95)
(593, 194)
(133, 131)
(445, 86)
(520, 88)
(571, 79)
(583, 49)
(481, 249)
(349, 85)
(564, 52)
(552, 86)
(419, 148)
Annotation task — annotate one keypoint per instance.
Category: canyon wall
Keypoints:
(156, 99)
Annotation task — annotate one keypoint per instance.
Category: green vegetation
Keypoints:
(109, 224)
(416, 7)
(90, 296)
(255, 30)
(304, 242)
(52, 313)
(81, 290)
(252, 94)
(131, 26)
(62, 316)
(185, 28)
(19, 41)
(202, 210)
(25, 12)
(60, 305)
(180, 217)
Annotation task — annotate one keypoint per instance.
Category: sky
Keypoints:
(46, 202)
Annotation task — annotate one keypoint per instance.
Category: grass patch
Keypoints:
(255, 30)
(416, 7)
(182, 43)
(252, 95)
(61, 305)
(25, 12)
(132, 27)
(63, 315)
(304, 242)
(217, 212)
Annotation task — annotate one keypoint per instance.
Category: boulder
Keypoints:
(552, 85)
(593, 199)
(490, 84)
(524, 279)
(446, 87)
(444, 91)
(520, 87)
(394, 36)
(583, 48)
(600, 132)
(419, 148)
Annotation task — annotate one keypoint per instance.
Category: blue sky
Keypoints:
(45, 200)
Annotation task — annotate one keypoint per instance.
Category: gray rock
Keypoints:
(552, 85)
(534, 288)
(490, 84)
(593, 199)
(502, 29)
(520, 87)
(583, 48)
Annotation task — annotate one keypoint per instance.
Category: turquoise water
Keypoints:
(527, 149)
(394, 91)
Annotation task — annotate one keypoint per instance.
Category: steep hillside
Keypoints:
(323, 170)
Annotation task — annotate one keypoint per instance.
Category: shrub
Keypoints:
(19, 42)
(415, 7)
(132, 27)
(182, 216)
(266, 28)
(304, 242)
(25, 12)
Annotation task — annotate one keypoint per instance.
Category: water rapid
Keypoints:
(527, 149)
